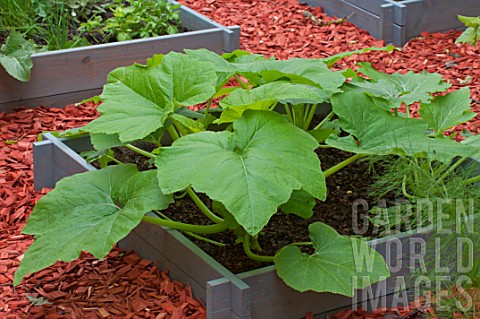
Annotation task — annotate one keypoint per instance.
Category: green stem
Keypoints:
(214, 218)
(173, 132)
(305, 114)
(326, 119)
(289, 114)
(306, 243)
(252, 255)
(298, 116)
(208, 240)
(311, 113)
(452, 168)
(415, 170)
(182, 195)
(205, 239)
(178, 128)
(199, 229)
(242, 84)
(342, 164)
(113, 159)
(324, 146)
(140, 151)
(472, 180)
(274, 105)
(207, 107)
(404, 188)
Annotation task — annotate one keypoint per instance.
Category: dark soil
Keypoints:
(344, 188)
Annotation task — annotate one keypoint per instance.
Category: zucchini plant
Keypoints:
(253, 156)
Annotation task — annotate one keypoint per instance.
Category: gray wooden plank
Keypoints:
(231, 41)
(362, 18)
(58, 100)
(185, 259)
(398, 36)
(65, 163)
(385, 30)
(434, 15)
(43, 164)
(81, 69)
(372, 6)
(220, 299)
(410, 17)
(241, 298)
(79, 144)
(273, 299)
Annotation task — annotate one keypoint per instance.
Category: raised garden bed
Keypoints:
(264, 147)
(255, 294)
(399, 21)
(69, 76)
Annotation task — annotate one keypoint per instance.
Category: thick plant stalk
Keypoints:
(140, 151)
(341, 165)
(252, 255)
(200, 204)
(199, 229)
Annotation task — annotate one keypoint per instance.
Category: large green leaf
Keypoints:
(89, 211)
(300, 203)
(101, 141)
(331, 60)
(242, 56)
(302, 71)
(399, 88)
(266, 96)
(251, 171)
(16, 56)
(448, 110)
(377, 131)
(138, 99)
(221, 64)
(224, 69)
(339, 264)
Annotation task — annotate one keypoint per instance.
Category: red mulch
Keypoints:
(125, 286)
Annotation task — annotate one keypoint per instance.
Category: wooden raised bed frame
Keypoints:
(399, 21)
(68, 76)
(254, 294)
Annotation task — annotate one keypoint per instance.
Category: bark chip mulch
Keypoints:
(125, 286)
(120, 286)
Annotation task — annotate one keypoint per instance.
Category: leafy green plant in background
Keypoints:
(18, 14)
(49, 25)
(142, 19)
(472, 34)
(15, 56)
(260, 145)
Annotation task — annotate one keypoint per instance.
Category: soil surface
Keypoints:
(345, 188)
